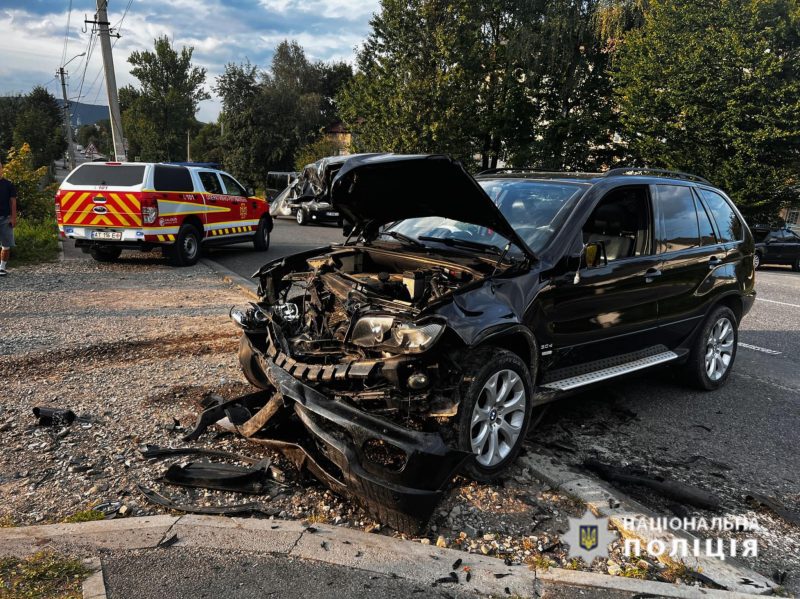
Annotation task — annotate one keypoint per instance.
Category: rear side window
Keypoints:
(124, 175)
(210, 182)
(729, 226)
(707, 236)
(172, 178)
(232, 187)
(679, 229)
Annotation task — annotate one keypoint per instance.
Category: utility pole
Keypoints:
(67, 124)
(188, 146)
(101, 20)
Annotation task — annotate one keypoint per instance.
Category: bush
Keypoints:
(35, 201)
(37, 241)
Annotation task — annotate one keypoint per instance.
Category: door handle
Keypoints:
(713, 262)
(650, 274)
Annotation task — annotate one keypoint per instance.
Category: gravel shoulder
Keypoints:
(132, 348)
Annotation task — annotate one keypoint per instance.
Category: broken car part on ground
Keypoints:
(420, 347)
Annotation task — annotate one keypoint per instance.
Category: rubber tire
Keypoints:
(479, 365)
(796, 265)
(756, 261)
(301, 217)
(105, 254)
(249, 364)
(695, 368)
(176, 253)
(261, 240)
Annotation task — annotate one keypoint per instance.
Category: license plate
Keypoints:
(110, 235)
(331, 214)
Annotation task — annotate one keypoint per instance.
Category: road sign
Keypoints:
(90, 151)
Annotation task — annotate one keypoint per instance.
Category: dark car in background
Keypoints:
(777, 246)
(422, 345)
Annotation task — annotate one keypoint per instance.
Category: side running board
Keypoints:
(609, 373)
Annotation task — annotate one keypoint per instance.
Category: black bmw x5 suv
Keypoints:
(422, 345)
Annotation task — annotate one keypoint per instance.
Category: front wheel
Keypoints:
(105, 254)
(261, 240)
(796, 265)
(186, 250)
(495, 411)
(714, 351)
(756, 261)
(302, 217)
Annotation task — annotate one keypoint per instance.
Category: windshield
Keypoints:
(535, 209)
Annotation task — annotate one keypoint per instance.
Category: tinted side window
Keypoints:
(113, 176)
(678, 218)
(210, 182)
(729, 225)
(232, 187)
(707, 236)
(172, 178)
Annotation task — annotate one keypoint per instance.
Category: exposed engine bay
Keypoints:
(366, 307)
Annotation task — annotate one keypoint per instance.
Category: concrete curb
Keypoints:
(332, 545)
(246, 285)
(94, 587)
(600, 498)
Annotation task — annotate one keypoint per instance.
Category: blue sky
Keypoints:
(32, 34)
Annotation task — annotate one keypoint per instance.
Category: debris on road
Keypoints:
(672, 489)
(223, 510)
(53, 416)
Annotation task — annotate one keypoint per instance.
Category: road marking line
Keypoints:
(771, 352)
(761, 299)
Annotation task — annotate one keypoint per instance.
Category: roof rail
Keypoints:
(637, 170)
(533, 171)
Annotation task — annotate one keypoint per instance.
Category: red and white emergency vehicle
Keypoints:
(110, 206)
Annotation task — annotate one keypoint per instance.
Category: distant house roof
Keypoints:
(337, 127)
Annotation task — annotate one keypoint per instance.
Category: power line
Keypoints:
(66, 33)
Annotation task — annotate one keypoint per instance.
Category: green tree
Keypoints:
(9, 108)
(713, 87)
(159, 113)
(267, 116)
(319, 148)
(35, 199)
(207, 144)
(523, 81)
(39, 123)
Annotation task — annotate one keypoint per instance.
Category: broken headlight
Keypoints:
(385, 332)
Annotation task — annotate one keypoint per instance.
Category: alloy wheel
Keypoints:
(719, 349)
(497, 417)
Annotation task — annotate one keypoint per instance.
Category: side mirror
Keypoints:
(594, 254)
(250, 192)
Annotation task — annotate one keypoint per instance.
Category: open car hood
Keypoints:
(383, 188)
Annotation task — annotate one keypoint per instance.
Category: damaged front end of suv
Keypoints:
(370, 349)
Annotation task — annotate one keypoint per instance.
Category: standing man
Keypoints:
(8, 219)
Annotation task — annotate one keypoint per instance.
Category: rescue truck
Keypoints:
(113, 206)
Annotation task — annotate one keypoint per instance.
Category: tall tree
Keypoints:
(39, 123)
(524, 81)
(207, 144)
(159, 113)
(714, 87)
(268, 116)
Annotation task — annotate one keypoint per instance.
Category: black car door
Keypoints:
(693, 260)
(792, 248)
(609, 309)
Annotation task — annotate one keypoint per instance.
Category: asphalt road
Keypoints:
(287, 238)
(751, 426)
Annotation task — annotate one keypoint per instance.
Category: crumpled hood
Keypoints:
(385, 188)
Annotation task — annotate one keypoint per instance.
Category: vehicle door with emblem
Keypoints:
(241, 210)
(217, 206)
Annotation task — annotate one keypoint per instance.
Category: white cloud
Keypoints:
(220, 31)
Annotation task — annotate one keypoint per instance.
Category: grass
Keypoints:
(43, 575)
(35, 242)
(84, 516)
(634, 572)
(7, 521)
